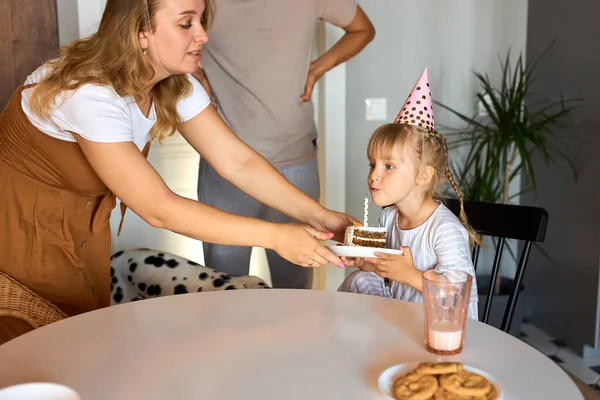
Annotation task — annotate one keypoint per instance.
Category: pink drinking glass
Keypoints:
(446, 297)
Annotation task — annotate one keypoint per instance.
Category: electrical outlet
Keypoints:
(376, 109)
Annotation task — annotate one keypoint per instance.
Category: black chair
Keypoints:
(502, 221)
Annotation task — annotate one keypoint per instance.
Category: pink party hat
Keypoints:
(418, 107)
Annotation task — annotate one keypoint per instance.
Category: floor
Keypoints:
(588, 369)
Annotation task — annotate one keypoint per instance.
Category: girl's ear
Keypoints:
(425, 175)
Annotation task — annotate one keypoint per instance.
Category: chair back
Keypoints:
(504, 221)
(20, 302)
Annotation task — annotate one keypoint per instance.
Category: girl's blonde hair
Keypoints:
(427, 148)
(113, 57)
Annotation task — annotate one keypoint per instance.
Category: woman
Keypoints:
(75, 134)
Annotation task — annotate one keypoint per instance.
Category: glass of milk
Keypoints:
(445, 304)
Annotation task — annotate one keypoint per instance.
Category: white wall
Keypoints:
(450, 38)
(78, 18)
(68, 21)
(90, 12)
(332, 142)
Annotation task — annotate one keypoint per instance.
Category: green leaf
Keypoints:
(517, 126)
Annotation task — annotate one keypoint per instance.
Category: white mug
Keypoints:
(38, 391)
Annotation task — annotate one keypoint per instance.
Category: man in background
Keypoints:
(258, 69)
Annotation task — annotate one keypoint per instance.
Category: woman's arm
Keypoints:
(132, 179)
(244, 168)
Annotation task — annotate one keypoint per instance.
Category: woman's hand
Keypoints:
(332, 221)
(300, 245)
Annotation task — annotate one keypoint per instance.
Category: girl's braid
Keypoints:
(462, 215)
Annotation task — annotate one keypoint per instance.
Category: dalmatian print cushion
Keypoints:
(143, 273)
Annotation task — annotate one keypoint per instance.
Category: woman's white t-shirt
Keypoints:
(97, 113)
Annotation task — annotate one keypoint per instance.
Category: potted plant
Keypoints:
(501, 140)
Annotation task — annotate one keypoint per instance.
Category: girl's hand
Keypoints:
(399, 268)
(300, 245)
(353, 261)
(361, 263)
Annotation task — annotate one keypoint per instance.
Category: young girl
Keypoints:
(408, 162)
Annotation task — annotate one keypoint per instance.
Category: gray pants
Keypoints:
(235, 260)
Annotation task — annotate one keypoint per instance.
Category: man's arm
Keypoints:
(358, 33)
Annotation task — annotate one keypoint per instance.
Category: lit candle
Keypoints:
(366, 216)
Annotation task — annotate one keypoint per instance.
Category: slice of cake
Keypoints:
(365, 236)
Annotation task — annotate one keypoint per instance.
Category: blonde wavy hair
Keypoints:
(427, 148)
(113, 57)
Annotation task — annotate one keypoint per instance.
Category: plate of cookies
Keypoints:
(439, 381)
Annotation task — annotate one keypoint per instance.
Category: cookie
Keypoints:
(492, 395)
(443, 394)
(439, 368)
(466, 383)
(415, 386)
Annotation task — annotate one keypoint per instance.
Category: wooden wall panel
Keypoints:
(28, 36)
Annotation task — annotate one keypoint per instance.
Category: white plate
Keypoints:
(38, 391)
(357, 251)
(387, 377)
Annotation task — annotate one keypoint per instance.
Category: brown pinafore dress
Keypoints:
(55, 235)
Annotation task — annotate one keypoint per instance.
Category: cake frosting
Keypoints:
(365, 236)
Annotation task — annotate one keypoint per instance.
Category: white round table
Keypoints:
(259, 344)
